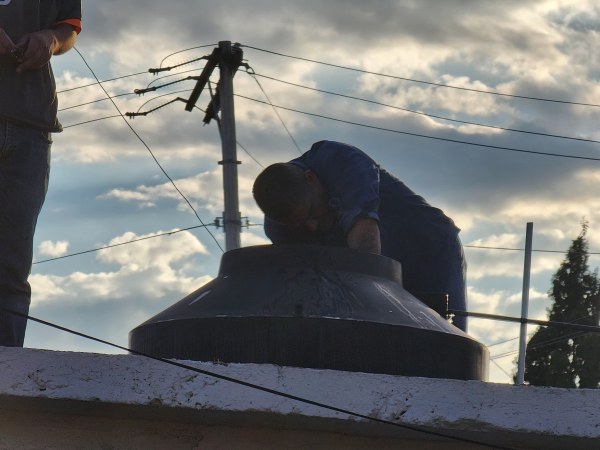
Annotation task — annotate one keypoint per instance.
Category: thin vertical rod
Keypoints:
(525, 304)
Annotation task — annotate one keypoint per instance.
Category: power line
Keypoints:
(184, 50)
(96, 101)
(483, 247)
(150, 151)
(254, 386)
(95, 83)
(436, 138)
(480, 91)
(130, 75)
(168, 233)
(275, 110)
(544, 323)
(537, 133)
(503, 371)
(91, 121)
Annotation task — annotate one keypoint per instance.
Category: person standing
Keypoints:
(31, 33)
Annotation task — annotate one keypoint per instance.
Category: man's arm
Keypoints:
(364, 235)
(42, 45)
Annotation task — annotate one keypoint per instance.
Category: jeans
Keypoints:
(24, 171)
(442, 271)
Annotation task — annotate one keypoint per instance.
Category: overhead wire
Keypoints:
(501, 369)
(250, 72)
(429, 83)
(433, 116)
(91, 121)
(132, 241)
(124, 94)
(484, 247)
(95, 83)
(424, 136)
(183, 51)
(151, 152)
(255, 386)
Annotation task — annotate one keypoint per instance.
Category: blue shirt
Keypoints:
(412, 231)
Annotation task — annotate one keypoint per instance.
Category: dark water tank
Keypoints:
(315, 307)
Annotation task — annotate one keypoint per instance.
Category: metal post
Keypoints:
(525, 305)
(231, 56)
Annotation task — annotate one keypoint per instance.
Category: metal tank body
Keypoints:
(315, 307)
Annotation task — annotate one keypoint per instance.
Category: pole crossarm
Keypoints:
(212, 61)
(230, 56)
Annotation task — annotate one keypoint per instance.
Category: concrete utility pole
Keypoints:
(520, 379)
(230, 59)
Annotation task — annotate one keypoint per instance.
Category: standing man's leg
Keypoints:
(24, 171)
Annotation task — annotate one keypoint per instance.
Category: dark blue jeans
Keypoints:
(24, 170)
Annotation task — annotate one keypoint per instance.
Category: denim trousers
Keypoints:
(24, 172)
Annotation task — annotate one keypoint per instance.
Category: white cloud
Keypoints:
(147, 270)
(53, 249)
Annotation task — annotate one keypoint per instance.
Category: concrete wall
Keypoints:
(74, 400)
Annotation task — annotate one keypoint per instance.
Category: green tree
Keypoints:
(564, 357)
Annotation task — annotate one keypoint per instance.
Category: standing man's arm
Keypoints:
(42, 45)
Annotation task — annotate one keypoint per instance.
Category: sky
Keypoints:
(487, 109)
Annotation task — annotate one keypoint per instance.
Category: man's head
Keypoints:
(293, 196)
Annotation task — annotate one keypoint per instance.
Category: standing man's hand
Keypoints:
(364, 235)
(40, 46)
(6, 44)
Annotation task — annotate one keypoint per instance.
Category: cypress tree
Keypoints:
(563, 357)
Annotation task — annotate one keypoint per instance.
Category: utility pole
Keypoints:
(230, 60)
(228, 57)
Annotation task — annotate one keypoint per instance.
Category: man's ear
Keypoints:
(310, 177)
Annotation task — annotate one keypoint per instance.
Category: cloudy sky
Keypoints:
(404, 80)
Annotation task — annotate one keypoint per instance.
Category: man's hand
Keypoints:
(42, 45)
(6, 44)
(364, 235)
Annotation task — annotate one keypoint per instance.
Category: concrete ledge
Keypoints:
(100, 393)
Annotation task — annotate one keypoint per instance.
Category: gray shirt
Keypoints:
(30, 98)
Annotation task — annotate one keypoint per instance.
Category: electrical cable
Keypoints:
(185, 50)
(502, 369)
(544, 323)
(95, 83)
(253, 385)
(465, 122)
(168, 233)
(483, 247)
(170, 75)
(150, 151)
(436, 138)
(274, 109)
(95, 101)
(160, 96)
(130, 75)
(429, 83)
(542, 344)
(91, 121)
